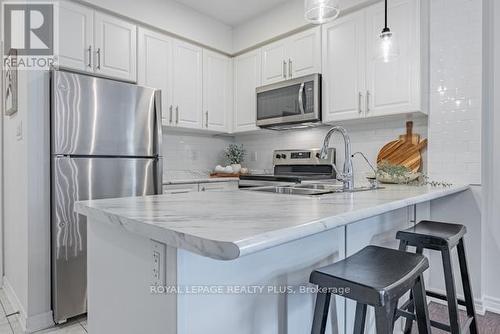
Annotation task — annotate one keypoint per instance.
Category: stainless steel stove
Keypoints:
(294, 166)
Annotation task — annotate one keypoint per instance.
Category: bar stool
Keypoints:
(442, 237)
(374, 276)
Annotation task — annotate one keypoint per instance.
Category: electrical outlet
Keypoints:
(158, 263)
(253, 156)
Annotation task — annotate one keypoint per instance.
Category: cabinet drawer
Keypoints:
(218, 186)
(180, 188)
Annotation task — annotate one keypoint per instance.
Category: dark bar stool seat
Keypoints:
(442, 237)
(374, 276)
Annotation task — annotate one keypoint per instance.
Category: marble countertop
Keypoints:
(228, 225)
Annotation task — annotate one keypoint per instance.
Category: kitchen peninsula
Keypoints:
(221, 244)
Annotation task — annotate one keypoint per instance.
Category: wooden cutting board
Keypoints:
(404, 151)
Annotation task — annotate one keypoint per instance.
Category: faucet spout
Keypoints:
(347, 175)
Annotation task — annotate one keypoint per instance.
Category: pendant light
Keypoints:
(387, 48)
(321, 11)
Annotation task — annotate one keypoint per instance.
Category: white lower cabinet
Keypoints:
(218, 186)
(183, 188)
(247, 77)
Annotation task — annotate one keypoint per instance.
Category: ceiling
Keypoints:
(232, 12)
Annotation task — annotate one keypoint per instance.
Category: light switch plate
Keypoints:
(19, 131)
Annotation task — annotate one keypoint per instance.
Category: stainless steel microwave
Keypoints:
(291, 103)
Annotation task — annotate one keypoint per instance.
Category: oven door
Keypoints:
(290, 102)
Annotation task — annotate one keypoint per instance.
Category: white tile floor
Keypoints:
(9, 323)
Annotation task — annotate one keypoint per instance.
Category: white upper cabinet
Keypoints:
(217, 91)
(356, 83)
(247, 77)
(304, 52)
(394, 87)
(344, 68)
(90, 41)
(274, 62)
(187, 87)
(74, 36)
(116, 49)
(294, 56)
(155, 67)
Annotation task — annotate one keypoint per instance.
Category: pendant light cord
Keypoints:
(385, 15)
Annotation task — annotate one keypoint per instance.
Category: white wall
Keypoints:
(175, 18)
(278, 21)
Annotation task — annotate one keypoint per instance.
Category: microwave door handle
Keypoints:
(301, 100)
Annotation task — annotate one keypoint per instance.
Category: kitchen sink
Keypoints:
(311, 189)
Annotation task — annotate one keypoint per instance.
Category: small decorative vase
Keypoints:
(236, 168)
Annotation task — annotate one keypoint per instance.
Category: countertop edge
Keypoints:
(224, 250)
(201, 180)
(276, 238)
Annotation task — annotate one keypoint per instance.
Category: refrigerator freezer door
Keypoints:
(76, 179)
(95, 116)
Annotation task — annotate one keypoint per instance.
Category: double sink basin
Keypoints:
(311, 189)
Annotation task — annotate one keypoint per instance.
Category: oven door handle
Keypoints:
(301, 100)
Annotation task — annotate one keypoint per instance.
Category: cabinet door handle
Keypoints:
(90, 56)
(367, 101)
(360, 97)
(289, 68)
(284, 69)
(170, 116)
(176, 114)
(206, 119)
(98, 58)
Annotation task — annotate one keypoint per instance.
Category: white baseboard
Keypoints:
(478, 303)
(28, 324)
(492, 304)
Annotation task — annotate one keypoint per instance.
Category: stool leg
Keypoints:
(469, 299)
(451, 293)
(411, 307)
(359, 321)
(321, 313)
(420, 302)
(383, 319)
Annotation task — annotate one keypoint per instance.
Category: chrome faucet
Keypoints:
(347, 175)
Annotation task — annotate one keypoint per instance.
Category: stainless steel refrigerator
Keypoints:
(105, 143)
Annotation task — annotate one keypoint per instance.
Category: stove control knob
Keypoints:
(318, 155)
(283, 156)
(278, 156)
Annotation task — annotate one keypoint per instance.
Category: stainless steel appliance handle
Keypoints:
(206, 119)
(301, 101)
(360, 97)
(289, 67)
(176, 114)
(367, 101)
(98, 58)
(170, 115)
(90, 56)
(284, 69)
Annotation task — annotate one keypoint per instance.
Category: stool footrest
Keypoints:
(443, 297)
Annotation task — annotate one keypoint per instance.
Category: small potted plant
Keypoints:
(235, 154)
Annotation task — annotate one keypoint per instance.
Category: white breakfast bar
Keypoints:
(235, 261)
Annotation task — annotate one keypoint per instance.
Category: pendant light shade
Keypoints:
(387, 46)
(321, 11)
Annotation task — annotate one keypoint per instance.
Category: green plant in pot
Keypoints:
(235, 155)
